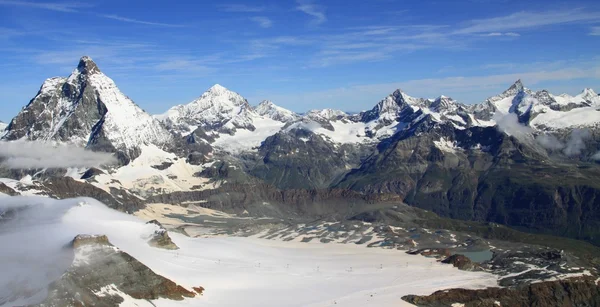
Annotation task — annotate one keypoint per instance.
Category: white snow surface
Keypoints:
(234, 271)
(270, 110)
(139, 175)
(244, 139)
(126, 125)
(216, 107)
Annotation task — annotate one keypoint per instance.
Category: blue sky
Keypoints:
(301, 54)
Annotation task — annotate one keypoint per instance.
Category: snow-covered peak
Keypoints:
(326, 114)
(87, 66)
(588, 94)
(87, 109)
(443, 103)
(268, 109)
(217, 107)
(3, 126)
(514, 89)
(217, 96)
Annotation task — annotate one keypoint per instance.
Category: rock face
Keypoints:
(582, 291)
(102, 274)
(462, 262)
(87, 109)
(161, 238)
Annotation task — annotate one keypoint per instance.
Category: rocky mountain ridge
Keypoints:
(472, 162)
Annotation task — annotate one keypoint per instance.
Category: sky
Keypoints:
(301, 54)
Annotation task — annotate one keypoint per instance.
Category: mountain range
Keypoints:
(523, 158)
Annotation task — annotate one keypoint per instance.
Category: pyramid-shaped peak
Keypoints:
(514, 89)
(518, 85)
(588, 92)
(87, 66)
(218, 88)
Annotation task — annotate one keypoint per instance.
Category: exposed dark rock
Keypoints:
(462, 262)
(99, 268)
(438, 253)
(161, 238)
(162, 166)
(8, 191)
(90, 173)
(83, 240)
(67, 187)
(581, 291)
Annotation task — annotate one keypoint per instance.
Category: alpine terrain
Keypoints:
(220, 203)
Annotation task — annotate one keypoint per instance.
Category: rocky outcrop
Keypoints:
(288, 160)
(265, 200)
(462, 262)
(101, 274)
(438, 253)
(67, 187)
(161, 238)
(581, 291)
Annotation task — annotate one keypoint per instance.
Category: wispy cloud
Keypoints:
(510, 34)
(137, 21)
(314, 10)
(595, 31)
(67, 7)
(25, 155)
(262, 21)
(527, 20)
(241, 8)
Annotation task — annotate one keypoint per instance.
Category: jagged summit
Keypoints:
(87, 66)
(87, 109)
(268, 109)
(217, 108)
(514, 88)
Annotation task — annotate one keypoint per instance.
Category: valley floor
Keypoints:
(257, 272)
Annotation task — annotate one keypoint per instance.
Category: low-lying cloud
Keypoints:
(576, 142)
(550, 142)
(25, 155)
(509, 124)
(574, 145)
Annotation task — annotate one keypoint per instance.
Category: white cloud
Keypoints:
(316, 11)
(527, 20)
(142, 22)
(511, 34)
(241, 8)
(262, 21)
(26, 155)
(595, 31)
(65, 7)
(509, 124)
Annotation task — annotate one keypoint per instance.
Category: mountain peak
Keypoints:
(588, 92)
(514, 89)
(87, 66)
(266, 103)
(269, 109)
(218, 89)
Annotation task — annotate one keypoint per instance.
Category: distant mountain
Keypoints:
(218, 109)
(87, 109)
(269, 109)
(475, 162)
